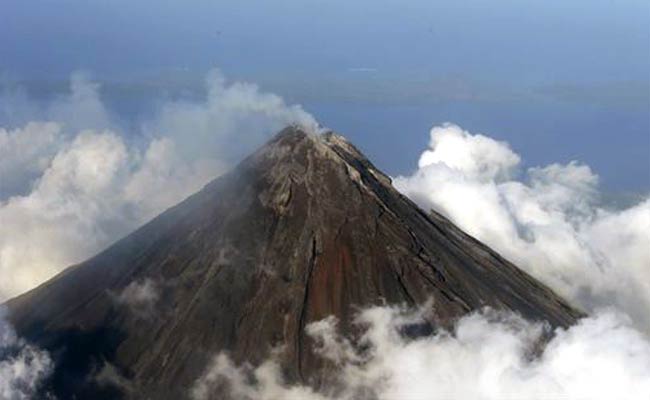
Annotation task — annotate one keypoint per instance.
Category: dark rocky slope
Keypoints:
(304, 228)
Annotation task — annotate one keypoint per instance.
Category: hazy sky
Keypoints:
(559, 80)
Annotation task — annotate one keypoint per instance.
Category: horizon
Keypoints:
(532, 75)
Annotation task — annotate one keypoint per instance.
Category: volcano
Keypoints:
(304, 228)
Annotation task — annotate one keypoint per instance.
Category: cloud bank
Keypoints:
(547, 220)
(73, 183)
(22, 366)
(488, 355)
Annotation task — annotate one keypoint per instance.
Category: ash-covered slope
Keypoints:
(304, 228)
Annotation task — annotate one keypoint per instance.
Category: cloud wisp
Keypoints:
(73, 183)
(488, 355)
(547, 221)
(139, 297)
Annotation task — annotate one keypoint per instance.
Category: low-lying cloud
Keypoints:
(488, 355)
(547, 220)
(23, 367)
(73, 183)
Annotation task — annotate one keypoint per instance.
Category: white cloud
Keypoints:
(140, 297)
(80, 190)
(247, 383)
(549, 224)
(25, 153)
(22, 366)
(488, 355)
(231, 118)
(82, 108)
(74, 209)
(476, 155)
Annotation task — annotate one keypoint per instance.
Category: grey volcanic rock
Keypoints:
(304, 228)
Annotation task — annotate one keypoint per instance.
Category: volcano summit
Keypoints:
(304, 228)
